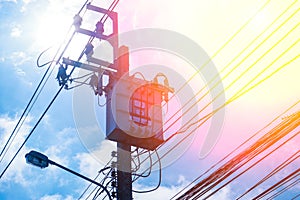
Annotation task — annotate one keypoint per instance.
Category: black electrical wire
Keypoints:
(296, 197)
(188, 125)
(52, 101)
(237, 159)
(99, 172)
(22, 122)
(106, 195)
(272, 173)
(98, 193)
(251, 87)
(248, 168)
(175, 145)
(137, 165)
(28, 108)
(138, 158)
(149, 170)
(25, 110)
(110, 9)
(91, 192)
(279, 183)
(36, 94)
(223, 46)
(289, 186)
(248, 154)
(38, 59)
(79, 83)
(237, 148)
(32, 130)
(236, 65)
(88, 187)
(159, 181)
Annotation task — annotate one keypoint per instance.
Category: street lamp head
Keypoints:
(37, 159)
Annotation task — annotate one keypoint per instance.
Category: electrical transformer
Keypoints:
(134, 112)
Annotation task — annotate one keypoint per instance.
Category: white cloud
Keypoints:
(25, 4)
(19, 58)
(225, 194)
(163, 192)
(60, 151)
(15, 171)
(167, 192)
(14, 1)
(27, 1)
(56, 197)
(90, 163)
(15, 32)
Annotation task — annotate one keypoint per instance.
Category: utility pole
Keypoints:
(124, 178)
(130, 101)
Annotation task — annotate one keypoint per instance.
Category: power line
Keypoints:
(159, 180)
(223, 46)
(205, 118)
(149, 168)
(236, 57)
(24, 112)
(99, 172)
(218, 109)
(262, 144)
(288, 161)
(237, 148)
(295, 197)
(244, 72)
(289, 186)
(248, 168)
(41, 117)
(279, 183)
(110, 9)
(43, 114)
(240, 76)
(36, 94)
(236, 163)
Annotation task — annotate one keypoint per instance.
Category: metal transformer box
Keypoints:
(134, 113)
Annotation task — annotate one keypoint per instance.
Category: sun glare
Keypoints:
(52, 29)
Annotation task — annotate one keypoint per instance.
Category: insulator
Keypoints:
(99, 28)
(77, 21)
(113, 164)
(114, 184)
(89, 50)
(113, 174)
(113, 194)
(62, 76)
(113, 154)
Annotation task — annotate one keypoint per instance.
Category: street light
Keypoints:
(40, 160)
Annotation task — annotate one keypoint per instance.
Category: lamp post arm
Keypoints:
(81, 176)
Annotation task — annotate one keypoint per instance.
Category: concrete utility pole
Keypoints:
(124, 178)
(132, 103)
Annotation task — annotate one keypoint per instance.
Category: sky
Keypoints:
(255, 38)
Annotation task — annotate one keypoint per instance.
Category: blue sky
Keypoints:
(29, 26)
